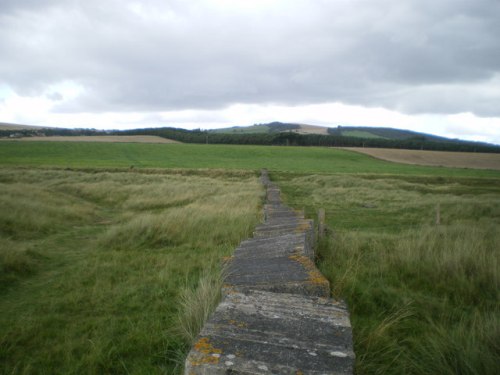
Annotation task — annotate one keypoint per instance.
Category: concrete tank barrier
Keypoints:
(275, 316)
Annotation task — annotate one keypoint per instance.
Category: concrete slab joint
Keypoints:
(276, 315)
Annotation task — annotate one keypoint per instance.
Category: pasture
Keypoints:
(110, 252)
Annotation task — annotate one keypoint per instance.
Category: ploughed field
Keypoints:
(110, 253)
(434, 158)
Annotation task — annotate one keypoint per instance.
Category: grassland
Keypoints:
(103, 259)
(434, 158)
(424, 298)
(99, 270)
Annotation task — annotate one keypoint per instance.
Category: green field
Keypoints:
(280, 158)
(359, 134)
(254, 129)
(110, 252)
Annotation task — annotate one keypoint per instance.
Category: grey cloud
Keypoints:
(417, 56)
(56, 96)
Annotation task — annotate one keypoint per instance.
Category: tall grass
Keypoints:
(99, 267)
(197, 303)
(424, 298)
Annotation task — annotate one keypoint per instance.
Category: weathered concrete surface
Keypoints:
(269, 333)
(275, 316)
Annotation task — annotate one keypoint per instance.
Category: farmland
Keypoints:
(137, 155)
(98, 138)
(106, 246)
(434, 158)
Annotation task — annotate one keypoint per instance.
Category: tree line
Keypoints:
(295, 139)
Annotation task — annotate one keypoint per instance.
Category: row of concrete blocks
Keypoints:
(275, 316)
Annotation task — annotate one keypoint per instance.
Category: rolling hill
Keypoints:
(344, 131)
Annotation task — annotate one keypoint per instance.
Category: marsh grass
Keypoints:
(99, 267)
(424, 298)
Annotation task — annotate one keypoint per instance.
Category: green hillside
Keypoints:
(273, 127)
(386, 133)
(360, 134)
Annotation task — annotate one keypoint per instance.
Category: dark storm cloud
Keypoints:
(415, 56)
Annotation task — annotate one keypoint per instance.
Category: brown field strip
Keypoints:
(434, 158)
(312, 129)
(99, 138)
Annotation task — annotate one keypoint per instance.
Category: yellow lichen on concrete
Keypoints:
(238, 324)
(303, 227)
(208, 354)
(315, 277)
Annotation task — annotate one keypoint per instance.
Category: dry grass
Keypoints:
(99, 138)
(434, 158)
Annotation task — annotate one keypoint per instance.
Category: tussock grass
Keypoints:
(29, 210)
(197, 303)
(424, 298)
(16, 262)
(99, 267)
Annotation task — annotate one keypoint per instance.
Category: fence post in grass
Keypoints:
(438, 214)
(321, 223)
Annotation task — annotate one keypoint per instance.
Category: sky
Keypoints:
(427, 65)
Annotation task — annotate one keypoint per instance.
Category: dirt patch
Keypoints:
(434, 158)
(99, 138)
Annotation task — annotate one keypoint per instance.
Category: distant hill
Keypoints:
(8, 130)
(277, 133)
(10, 126)
(345, 131)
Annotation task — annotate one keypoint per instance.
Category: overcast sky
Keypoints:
(426, 65)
